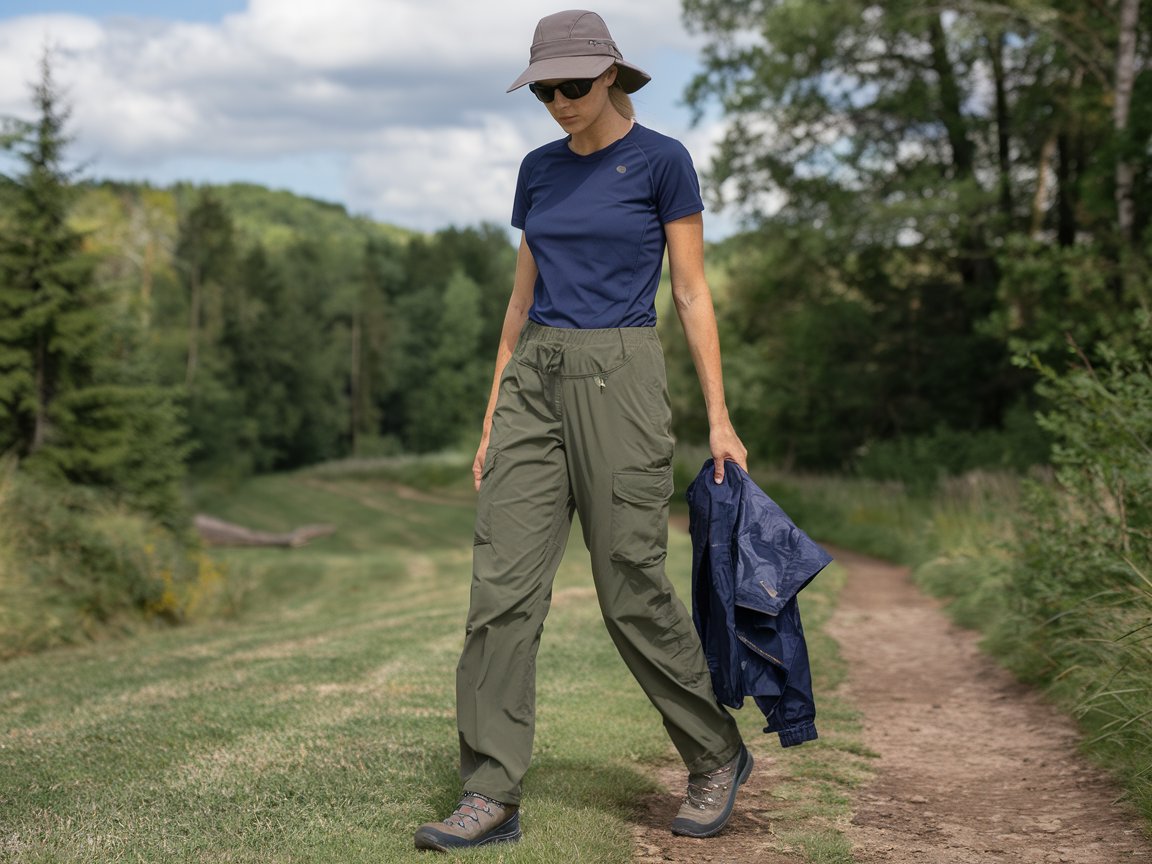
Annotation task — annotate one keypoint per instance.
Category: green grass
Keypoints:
(318, 725)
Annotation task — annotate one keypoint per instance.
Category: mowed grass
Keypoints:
(318, 725)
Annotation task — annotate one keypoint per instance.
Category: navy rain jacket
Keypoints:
(748, 563)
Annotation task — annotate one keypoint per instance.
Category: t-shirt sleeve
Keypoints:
(677, 186)
(520, 202)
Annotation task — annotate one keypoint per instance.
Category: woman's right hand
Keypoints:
(478, 462)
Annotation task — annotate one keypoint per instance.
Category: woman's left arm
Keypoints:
(694, 306)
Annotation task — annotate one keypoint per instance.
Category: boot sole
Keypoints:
(437, 841)
(692, 829)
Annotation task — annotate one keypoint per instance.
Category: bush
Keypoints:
(74, 564)
(922, 461)
(1080, 617)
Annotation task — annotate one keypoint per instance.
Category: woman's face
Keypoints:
(577, 115)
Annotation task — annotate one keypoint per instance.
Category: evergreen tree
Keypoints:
(48, 317)
(76, 402)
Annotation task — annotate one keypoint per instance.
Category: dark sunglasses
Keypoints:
(577, 88)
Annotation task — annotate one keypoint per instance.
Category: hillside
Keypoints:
(111, 211)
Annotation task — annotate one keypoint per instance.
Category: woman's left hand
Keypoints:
(726, 444)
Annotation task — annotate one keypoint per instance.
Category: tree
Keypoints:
(373, 327)
(447, 400)
(76, 399)
(49, 318)
(205, 253)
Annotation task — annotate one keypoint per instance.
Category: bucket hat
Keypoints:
(577, 44)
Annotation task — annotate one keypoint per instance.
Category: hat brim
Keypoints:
(631, 78)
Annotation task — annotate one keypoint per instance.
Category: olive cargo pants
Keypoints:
(582, 422)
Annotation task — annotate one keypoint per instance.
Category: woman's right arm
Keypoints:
(518, 306)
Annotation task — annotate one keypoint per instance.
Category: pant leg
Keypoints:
(618, 430)
(523, 518)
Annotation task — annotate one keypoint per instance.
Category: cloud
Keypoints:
(430, 177)
(408, 95)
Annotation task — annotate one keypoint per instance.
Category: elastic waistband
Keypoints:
(581, 337)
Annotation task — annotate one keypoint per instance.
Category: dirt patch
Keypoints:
(748, 836)
(973, 768)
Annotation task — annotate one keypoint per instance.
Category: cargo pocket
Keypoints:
(640, 516)
(483, 530)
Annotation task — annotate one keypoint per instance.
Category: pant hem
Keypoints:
(707, 766)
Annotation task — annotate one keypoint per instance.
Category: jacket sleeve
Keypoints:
(793, 714)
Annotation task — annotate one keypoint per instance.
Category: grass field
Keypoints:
(317, 725)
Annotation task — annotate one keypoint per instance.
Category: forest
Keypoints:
(945, 273)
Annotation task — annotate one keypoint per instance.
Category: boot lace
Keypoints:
(702, 793)
(462, 810)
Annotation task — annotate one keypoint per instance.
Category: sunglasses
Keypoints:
(577, 88)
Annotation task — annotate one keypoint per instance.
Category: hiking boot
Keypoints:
(708, 805)
(476, 821)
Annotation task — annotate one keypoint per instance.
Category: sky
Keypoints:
(394, 108)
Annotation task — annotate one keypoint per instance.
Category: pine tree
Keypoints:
(76, 400)
(46, 308)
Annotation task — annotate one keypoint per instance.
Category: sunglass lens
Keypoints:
(577, 88)
(543, 92)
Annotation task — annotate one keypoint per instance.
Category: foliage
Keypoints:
(75, 564)
(929, 191)
(922, 461)
(1082, 589)
(298, 333)
(449, 309)
(935, 192)
(273, 331)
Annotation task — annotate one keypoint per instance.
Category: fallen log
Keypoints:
(217, 532)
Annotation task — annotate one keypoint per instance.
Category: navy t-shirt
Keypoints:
(595, 225)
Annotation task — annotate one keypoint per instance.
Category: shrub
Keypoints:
(1080, 613)
(73, 563)
(922, 461)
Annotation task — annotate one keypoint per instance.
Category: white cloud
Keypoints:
(433, 177)
(406, 95)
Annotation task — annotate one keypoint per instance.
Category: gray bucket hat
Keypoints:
(577, 44)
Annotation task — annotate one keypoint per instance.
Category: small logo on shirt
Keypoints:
(621, 169)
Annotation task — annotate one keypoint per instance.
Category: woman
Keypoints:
(578, 419)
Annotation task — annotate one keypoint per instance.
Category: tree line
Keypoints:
(153, 336)
(942, 202)
(227, 330)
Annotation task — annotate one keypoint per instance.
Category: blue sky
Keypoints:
(204, 10)
(395, 108)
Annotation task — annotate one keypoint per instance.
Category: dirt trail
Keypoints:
(973, 768)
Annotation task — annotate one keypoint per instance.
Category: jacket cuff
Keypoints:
(798, 734)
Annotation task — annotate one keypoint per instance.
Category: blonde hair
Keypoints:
(620, 100)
